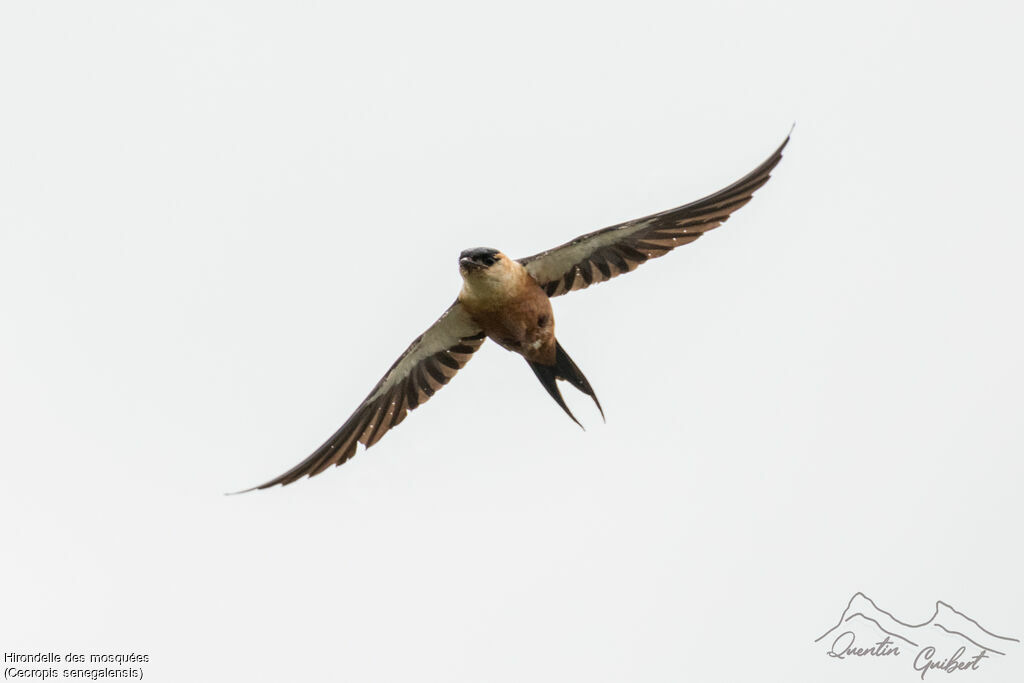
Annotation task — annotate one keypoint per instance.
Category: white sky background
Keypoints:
(221, 222)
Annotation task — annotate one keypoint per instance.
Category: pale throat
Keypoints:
(494, 287)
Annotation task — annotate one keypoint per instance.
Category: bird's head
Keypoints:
(489, 276)
(476, 261)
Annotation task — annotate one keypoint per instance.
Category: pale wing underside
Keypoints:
(601, 255)
(426, 366)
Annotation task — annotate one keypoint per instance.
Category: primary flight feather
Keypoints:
(509, 301)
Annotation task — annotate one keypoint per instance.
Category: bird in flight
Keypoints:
(508, 300)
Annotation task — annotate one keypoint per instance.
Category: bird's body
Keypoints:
(510, 307)
(508, 301)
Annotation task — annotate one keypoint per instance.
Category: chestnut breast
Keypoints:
(512, 309)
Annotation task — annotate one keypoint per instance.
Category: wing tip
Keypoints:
(267, 485)
(789, 135)
(238, 493)
(310, 467)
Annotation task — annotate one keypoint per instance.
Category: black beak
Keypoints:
(478, 259)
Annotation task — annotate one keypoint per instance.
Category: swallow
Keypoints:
(509, 301)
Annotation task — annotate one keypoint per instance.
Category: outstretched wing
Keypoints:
(426, 366)
(601, 255)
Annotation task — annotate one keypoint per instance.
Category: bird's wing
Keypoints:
(427, 365)
(601, 255)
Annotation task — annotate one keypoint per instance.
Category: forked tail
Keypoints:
(565, 369)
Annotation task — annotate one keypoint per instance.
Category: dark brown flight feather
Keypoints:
(427, 365)
(603, 254)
